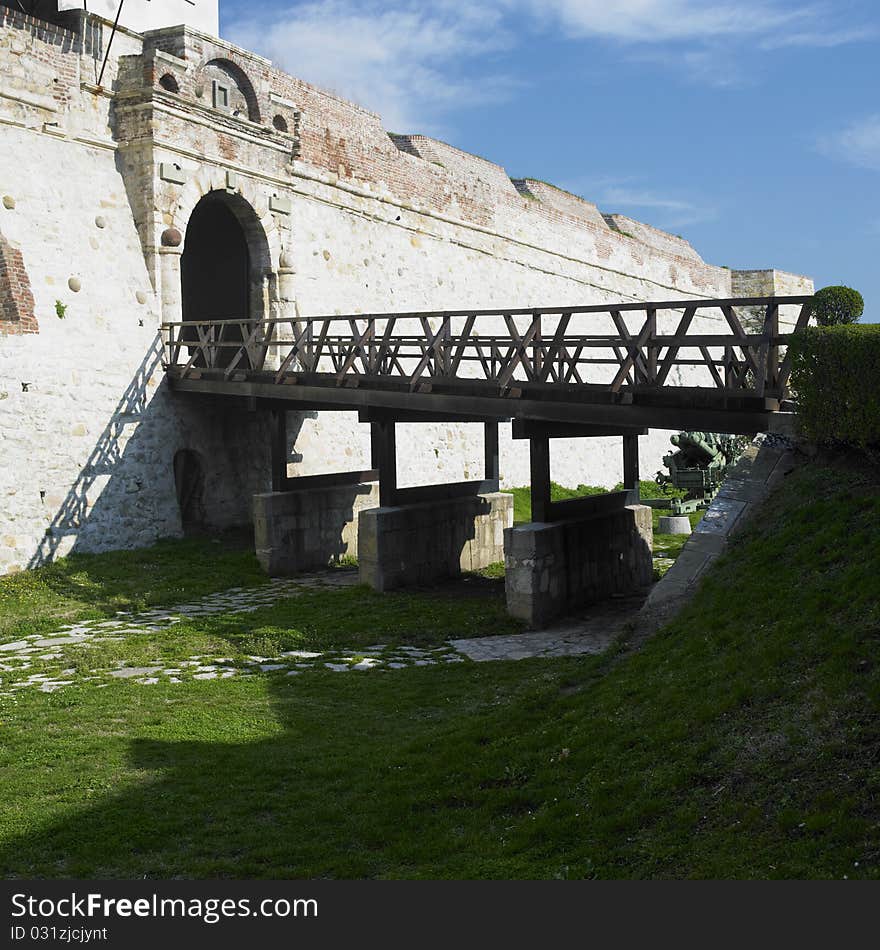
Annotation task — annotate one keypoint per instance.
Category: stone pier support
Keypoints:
(554, 568)
(310, 527)
(420, 544)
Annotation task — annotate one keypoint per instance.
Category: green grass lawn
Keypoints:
(667, 547)
(743, 740)
(522, 498)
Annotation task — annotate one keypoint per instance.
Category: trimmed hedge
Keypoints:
(836, 379)
(833, 306)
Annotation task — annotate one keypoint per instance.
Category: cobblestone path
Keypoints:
(589, 635)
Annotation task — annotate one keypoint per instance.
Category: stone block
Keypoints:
(308, 528)
(421, 544)
(556, 567)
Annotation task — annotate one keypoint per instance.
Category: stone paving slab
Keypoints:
(591, 632)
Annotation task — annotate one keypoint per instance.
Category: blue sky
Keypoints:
(751, 128)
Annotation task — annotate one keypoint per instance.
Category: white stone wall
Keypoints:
(88, 449)
(88, 430)
(353, 256)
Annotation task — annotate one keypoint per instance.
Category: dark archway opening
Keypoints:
(189, 483)
(216, 277)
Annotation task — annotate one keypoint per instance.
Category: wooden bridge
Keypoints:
(610, 369)
(634, 364)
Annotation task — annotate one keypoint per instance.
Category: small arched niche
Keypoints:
(189, 485)
(229, 89)
(279, 123)
(169, 83)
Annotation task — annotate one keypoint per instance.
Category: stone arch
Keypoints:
(225, 270)
(242, 95)
(249, 205)
(169, 83)
(267, 233)
(17, 313)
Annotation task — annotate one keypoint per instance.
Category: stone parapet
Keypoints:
(413, 545)
(308, 528)
(556, 567)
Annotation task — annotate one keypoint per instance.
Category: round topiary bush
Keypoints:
(833, 306)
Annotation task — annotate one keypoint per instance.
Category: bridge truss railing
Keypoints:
(732, 346)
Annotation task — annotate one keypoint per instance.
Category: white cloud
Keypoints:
(400, 58)
(414, 62)
(707, 66)
(652, 21)
(628, 196)
(820, 40)
(668, 211)
(858, 143)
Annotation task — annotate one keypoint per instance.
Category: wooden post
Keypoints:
(279, 449)
(771, 329)
(651, 348)
(492, 471)
(631, 466)
(383, 444)
(539, 456)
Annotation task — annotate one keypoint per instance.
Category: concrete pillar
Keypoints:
(415, 545)
(279, 450)
(552, 569)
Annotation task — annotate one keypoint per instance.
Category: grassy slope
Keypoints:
(743, 740)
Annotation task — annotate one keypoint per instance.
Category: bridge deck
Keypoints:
(626, 365)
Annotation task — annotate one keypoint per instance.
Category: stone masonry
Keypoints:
(414, 545)
(299, 530)
(554, 568)
(97, 187)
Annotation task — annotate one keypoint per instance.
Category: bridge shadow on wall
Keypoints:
(104, 462)
(124, 495)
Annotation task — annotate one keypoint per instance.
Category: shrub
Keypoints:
(833, 306)
(837, 384)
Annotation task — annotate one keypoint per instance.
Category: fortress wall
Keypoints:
(661, 241)
(552, 197)
(88, 449)
(758, 283)
(373, 227)
(351, 253)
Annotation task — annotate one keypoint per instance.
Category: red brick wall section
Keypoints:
(16, 300)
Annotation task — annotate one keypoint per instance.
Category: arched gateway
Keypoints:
(224, 271)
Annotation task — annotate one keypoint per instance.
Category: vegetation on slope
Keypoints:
(741, 741)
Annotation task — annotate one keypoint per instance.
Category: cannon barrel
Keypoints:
(694, 446)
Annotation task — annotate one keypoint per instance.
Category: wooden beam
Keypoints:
(706, 304)
(279, 449)
(631, 464)
(331, 480)
(384, 458)
(530, 428)
(419, 494)
(371, 414)
(590, 506)
(709, 418)
(492, 463)
(539, 459)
